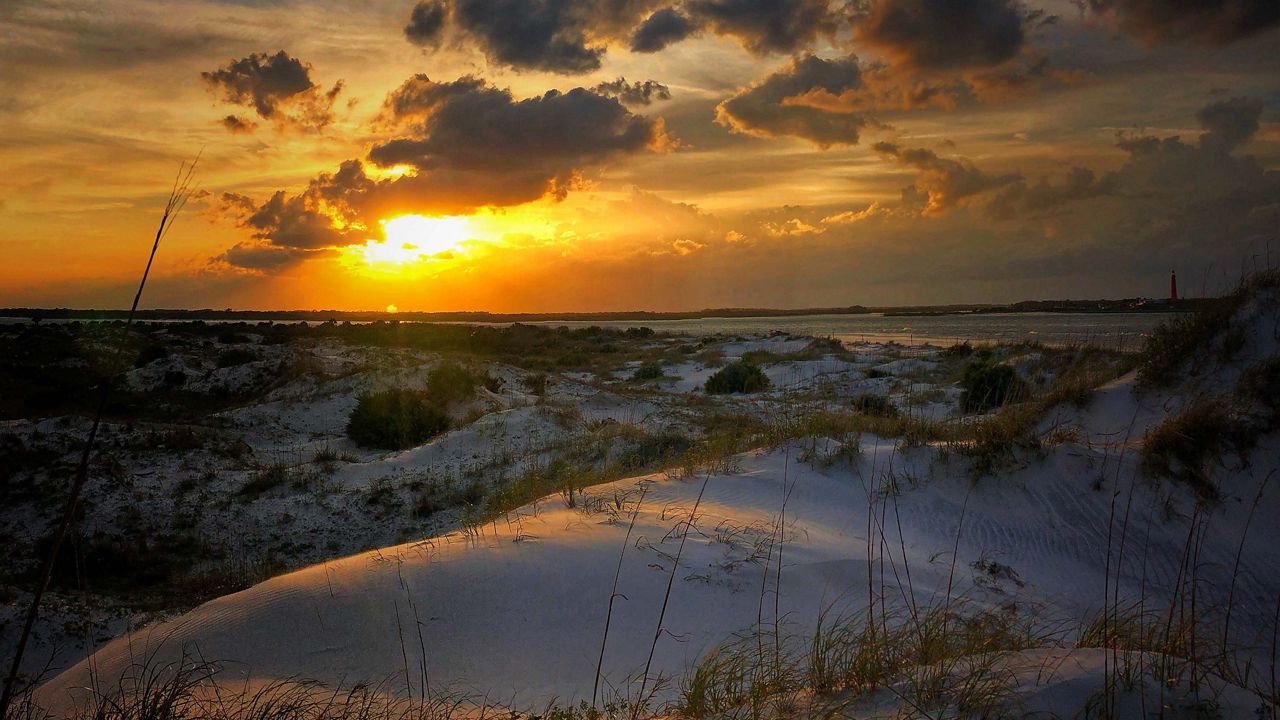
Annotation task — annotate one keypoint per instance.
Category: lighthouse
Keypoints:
(1173, 286)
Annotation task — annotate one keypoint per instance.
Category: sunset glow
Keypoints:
(659, 155)
(411, 239)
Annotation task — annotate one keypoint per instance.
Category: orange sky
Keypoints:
(783, 153)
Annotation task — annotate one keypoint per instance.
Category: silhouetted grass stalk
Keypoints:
(178, 196)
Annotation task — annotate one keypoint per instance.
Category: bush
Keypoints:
(987, 386)
(738, 377)
(395, 419)
(877, 405)
(449, 382)
(647, 371)
(235, 357)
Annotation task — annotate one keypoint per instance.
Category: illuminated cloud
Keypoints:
(942, 182)
(772, 107)
(277, 87)
(471, 145)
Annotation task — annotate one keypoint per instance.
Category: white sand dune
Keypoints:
(515, 609)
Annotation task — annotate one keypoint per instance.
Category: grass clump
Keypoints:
(450, 383)
(737, 377)
(395, 419)
(1184, 446)
(647, 371)
(987, 386)
(875, 405)
(1190, 337)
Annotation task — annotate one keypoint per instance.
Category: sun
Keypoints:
(415, 238)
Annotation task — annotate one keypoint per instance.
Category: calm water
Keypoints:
(1114, 330)
(1124, 331)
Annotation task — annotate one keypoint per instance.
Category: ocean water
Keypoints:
(1122, 331)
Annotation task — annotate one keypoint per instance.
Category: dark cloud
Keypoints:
(664, 27)
(261, 81)
(236, 124)
(775, 106)
(426, 22)
(942, 182)
(1046, 196)
(278, 87)
(768, 26)
(945, 34)
(572, 36)
(325, 214)
(268, 259)
(1214, 22)
(1229, 123)
(468, 126)
(636, 93)
(561, 36)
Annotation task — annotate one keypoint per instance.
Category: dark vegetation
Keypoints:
(647, 371)
(395, 419)
(987, 385)
(737, 377)
(400, 418)
(51, 369)
(1191, 340)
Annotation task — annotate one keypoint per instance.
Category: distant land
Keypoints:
(1129, 305)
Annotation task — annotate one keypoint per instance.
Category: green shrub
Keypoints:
(987, 386)
(877, 405)
(450, 382)
(235, 357)
(395, 419)
(647, 371)
(738, 377)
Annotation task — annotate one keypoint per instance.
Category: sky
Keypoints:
(605, 155)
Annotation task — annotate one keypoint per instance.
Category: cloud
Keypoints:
(468, 145)
(664, 27)
(278, 87)
(942, 182)
(236, 124)
(268, 259)
(768, 26)
(560, 36)
(770, 108)
(1045, 196)
(636, 93)
(466, 127)
(1211, 22)
(426, 23)
(572, 36)
(943, 34)
(1229, 123)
